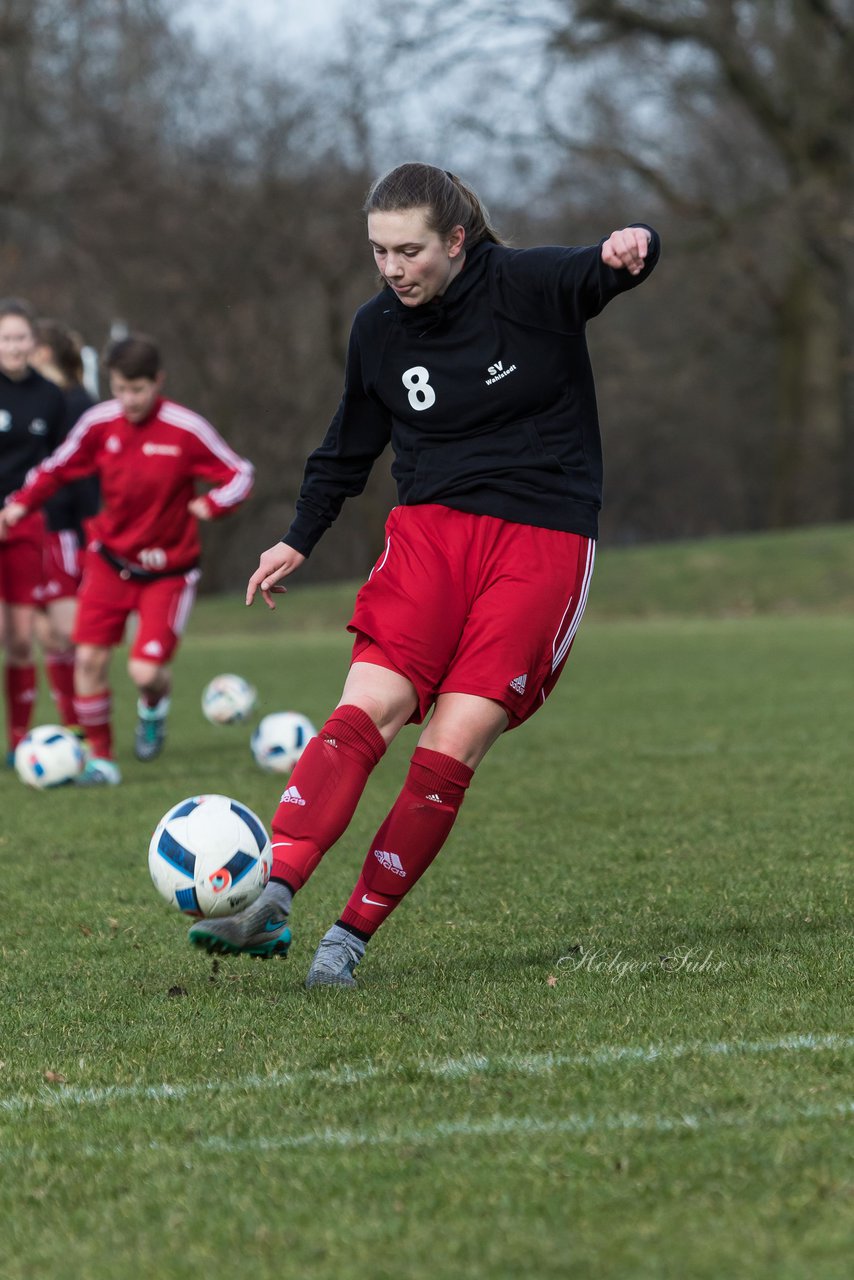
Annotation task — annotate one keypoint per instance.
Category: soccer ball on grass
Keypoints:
(210, 856)
(280, 740)
(49, 756)
(228, 699)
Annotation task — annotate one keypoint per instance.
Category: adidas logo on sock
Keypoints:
(292, 796)
(438, 799)
(519, 683)
(390, 861)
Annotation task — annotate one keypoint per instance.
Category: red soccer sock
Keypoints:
(20, 700)
(59, 668)
(323, 792)
(418, 825)
(93, 713)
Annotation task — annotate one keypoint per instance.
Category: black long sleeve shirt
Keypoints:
(32, 418)
(79, 500)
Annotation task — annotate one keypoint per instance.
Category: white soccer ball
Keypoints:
(280, 740)
(228, 699)
(210, 856)
(49, 756)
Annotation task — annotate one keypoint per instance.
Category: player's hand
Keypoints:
(10, 515)
(200, 508)
(275, 563)
(627, 248)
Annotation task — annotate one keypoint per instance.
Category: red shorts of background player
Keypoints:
(21, 557)
(62, 567)
(462, 603)
(105, 601)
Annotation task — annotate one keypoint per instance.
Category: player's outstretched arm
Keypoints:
(275, 563)
(627, 248)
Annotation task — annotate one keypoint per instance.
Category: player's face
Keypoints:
(17, 342)
(136, 396)
(416, 262)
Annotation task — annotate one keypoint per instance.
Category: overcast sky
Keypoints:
(281, 25)
(413, 113)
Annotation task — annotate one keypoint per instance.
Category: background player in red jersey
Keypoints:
(57, 357)
(32, 415)
(149, 454)
(472, 362)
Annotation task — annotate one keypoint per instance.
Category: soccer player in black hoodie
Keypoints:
(32, 415)
(472, 362)
(58, 357)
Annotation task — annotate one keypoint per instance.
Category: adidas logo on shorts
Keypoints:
(519, 683)
(390, 861)
(291, 796)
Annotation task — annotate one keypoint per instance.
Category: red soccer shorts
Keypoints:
(21, 555)
(462, 603)
(106, 600)
(62, 567)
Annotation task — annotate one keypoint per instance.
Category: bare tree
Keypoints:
(201, 198)
(786, 67)
(735, 115)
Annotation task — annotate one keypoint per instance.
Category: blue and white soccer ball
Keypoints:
(228, 699)
(210, 856)
(49, 756)
(280, 740)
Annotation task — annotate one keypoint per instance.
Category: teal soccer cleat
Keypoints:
(99, 772)
(261, 930)
(150, 733)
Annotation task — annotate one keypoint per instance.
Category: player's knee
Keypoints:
(58, 643)
(389, 699)
(19, 650)
(148, 677)
(382, 711)
(460, 744)
(464, 729)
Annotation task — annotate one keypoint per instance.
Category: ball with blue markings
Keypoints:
(210, 856)
(49, 756)
(280, 740)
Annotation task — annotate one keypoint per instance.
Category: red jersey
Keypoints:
(148, 473)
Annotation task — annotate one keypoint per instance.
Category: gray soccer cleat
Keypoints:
(335, 959)
(150, 729)
(260, 930)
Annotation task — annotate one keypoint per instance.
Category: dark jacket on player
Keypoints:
(486, 394)
(32, 418)
(81, 499)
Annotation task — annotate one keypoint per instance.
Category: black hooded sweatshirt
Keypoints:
(32, 414)
(486, 394)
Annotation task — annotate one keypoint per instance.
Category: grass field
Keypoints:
(609, 1035)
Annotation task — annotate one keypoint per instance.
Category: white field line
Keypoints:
(497, 1126)
(539, 1064)
(494, 1127)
